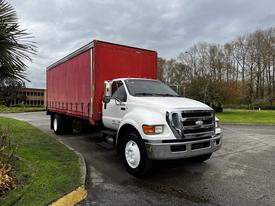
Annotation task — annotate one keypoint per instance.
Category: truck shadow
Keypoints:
(179, 178)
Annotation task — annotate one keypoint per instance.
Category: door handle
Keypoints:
(122, 108)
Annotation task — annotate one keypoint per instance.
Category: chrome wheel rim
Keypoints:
(132, 154)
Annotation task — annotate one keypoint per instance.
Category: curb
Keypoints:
(83, 168)
(71, 198)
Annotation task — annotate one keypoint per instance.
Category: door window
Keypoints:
(118, 91)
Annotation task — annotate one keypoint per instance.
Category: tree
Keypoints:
(15, 45)
(161, 68)
(15, 50)
(10, 90)
(211, 92)
(239, 72)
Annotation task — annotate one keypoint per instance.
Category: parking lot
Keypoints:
(241, 173)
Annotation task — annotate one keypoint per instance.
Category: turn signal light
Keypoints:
(152, 129)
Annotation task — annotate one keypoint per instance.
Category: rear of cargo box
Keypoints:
(75, 84)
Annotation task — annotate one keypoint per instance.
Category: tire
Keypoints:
(135, 156)
(68, 125)
(60, 124)
(201, 158)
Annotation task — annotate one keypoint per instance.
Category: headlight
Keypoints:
(152, 129)
(217, 122)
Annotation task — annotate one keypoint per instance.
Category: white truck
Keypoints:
(144, 119)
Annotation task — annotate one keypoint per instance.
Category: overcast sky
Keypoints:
(167, 26)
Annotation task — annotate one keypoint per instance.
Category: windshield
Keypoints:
(138, 87)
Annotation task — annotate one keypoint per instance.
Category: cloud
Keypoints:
(61, 26)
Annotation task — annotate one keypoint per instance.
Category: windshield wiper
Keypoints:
(156, 94)
(144, 94)
(167, 95)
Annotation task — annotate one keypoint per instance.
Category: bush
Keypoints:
(218, 108)
(236, 106)
(267, 107)
(7, 155)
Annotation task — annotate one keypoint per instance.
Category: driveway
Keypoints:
(241, 173)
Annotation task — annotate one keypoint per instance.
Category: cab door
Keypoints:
(114, 111)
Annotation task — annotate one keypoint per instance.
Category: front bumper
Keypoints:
(181, 150)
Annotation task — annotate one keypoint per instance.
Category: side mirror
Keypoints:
(107, 93)
(106, 99)
(107, 88)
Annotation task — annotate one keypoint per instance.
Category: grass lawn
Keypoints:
(20, 109)
(5, 109)
(45, 169)
(264, 117)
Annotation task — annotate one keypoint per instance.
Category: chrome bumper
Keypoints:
(181, 150)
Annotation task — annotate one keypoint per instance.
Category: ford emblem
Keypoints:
(199, 122)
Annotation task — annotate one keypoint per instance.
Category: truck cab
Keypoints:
(152, 122)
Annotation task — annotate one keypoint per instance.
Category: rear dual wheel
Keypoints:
(61, 124)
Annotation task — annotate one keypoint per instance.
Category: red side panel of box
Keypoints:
(69, 86)
(116, 61)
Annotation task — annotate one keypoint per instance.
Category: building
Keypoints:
(31, 96)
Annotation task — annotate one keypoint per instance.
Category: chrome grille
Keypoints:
(197, 123)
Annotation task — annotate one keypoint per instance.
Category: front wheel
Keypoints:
(135, 156)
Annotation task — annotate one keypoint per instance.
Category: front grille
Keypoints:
(198, 123)
(190, 123)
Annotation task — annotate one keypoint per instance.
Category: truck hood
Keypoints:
(171, 102)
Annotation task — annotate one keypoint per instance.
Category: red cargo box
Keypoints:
(75, 84)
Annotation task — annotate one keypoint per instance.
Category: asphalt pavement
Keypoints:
(241, 173)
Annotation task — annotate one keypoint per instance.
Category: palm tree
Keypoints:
(15, 45)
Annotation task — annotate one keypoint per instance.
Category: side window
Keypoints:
(118, 91)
